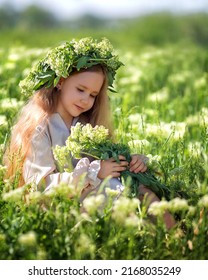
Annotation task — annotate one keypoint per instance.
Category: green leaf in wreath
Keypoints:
(82, 62)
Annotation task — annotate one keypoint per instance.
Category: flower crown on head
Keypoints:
(69, 57)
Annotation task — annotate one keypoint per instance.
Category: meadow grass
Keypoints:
(161, 110)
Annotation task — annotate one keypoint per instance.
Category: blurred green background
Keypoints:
(35, 26)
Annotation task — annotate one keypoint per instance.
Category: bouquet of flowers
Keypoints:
(95, 142)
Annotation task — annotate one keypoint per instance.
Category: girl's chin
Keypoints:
(74, 115)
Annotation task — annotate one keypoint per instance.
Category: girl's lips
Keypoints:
(79, 108)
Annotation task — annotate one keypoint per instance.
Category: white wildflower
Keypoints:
(3, 120)
(14, 57)
(28, 239)
(123, 207)
(10, 103)
(195, 149)
(159, 96)
(203, 202)
(158, 208)
(149, 112)
(41, 254)
(191, 210)
(94, 203)
(133, 221)
(34, 196)
(85, 244)
(153, 159)
(9, 65)
(136, 118)
(176, 130)
(64, 189)
(14, 195)
(180, 78)
(138, 144)
(200, 83)
(178, 204)
(112, 193)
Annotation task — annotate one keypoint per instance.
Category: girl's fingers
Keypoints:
(139, 159)
(123, 162)
(144, 169)
(140, 169)
(115, 174)
(137, 167)
(118, 168)
(134, 160)
(121, 157)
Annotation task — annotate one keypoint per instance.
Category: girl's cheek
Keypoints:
(93, 102)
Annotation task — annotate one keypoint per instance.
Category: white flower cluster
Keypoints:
(86, 132)
(87, 135)
(28, 239)
(174, 205)
(123, 208)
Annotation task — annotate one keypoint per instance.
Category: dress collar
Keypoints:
(57, 117)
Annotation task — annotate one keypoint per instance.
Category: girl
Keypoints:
(69, 85)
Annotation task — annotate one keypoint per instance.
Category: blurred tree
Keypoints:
(197, 28)
(155, 29)
(34, 17)
(87, 21)
(8, 17)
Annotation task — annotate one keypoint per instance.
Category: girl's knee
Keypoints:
(146, 193)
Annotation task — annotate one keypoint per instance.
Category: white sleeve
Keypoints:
(40, 161)
(40, 166)
(83, 167)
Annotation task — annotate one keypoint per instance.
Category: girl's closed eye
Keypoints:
(93, 96)
(80, 89)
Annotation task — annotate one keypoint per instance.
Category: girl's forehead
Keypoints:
(87, 77)
(91, 80)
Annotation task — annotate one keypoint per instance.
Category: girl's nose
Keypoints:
(85, 99)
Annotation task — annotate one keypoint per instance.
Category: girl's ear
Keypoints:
(60, 83)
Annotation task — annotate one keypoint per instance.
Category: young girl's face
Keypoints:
(78, 93)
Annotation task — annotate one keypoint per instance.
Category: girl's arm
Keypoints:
(40, 166)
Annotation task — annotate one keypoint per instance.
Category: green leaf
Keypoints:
(82, 62)
(112, 89)
(110, 78)
(56, 80)
(105, 156)
(115, 156)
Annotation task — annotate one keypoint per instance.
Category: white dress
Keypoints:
(41, 168)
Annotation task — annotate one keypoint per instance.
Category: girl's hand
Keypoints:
(138, 163)
(112, 168)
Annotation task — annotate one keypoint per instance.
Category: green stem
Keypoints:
(90, 155)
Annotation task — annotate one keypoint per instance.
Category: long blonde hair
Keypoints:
(38, 109)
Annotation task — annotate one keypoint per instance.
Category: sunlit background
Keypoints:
(109, 8)
(149, 21)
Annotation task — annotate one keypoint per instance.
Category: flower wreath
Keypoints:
(69, 57)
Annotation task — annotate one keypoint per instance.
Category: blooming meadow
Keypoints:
(160, 110)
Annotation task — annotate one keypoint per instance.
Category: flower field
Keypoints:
(161, 110)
